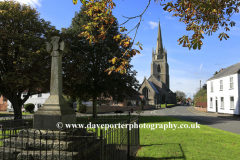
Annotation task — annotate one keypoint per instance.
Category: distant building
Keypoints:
(3, 103)
(223, 91)
(37, 100)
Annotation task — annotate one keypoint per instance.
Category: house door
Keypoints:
(216, 106)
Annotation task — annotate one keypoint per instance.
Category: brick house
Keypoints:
(3, 103)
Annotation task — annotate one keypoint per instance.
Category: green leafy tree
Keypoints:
(91, 61)
(180, 96)
(216, 73)
(24, 62)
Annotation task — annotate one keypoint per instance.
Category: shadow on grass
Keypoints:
(160, 152)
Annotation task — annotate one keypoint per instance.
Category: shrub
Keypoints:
(29, 107)
(81, 108)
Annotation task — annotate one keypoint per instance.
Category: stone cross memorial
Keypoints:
(55, 112)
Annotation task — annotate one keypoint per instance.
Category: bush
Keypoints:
(29, 107)
(81, 108)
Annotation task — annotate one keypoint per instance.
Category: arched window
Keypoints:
(145, 92)
(158, 77)
(158, 68)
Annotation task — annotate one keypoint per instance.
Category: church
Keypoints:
(156, 88)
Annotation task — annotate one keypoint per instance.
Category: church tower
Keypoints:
(159, 65)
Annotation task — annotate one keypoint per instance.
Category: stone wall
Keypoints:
(201, 109)
(201, 104)
(103, 109)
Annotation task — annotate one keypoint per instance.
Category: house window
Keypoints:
(40, 95)
(133, 103)
(222, 102)
(211, 102)
(211, 86)
(115, 103)
(231, 82)
(39, 105)
(221, 85)
(232, 102)
(24, 94)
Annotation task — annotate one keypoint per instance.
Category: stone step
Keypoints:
(90, 151)
(49, 155)
(28, 143)
(55, 135)
(9, 153)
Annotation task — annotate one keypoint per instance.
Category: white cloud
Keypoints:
(32, 3)
(153, 24)
(200, 67)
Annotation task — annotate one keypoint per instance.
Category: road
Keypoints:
(182, 112)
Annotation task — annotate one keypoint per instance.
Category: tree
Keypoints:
(201, 95)
(201, 17)
(25, 64)
(216, 73)
(90, 79)
(180, 96)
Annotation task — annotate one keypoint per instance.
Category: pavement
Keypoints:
(213, 114)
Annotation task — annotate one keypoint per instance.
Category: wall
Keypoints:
(226, 93)
(102, 109)
(201, 104)
(201, 109)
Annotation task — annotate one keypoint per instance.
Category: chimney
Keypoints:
(200, 84)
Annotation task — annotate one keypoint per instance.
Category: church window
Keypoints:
(145, 92)
(158, 68)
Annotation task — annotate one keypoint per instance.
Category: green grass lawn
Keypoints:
(163, 105)
(200, 144)
(9, 114)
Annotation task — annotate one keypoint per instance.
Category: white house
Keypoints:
(37, 100)
(223, 91)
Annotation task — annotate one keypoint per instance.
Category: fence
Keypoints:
(72, 144)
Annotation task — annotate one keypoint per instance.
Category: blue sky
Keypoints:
(186, 67)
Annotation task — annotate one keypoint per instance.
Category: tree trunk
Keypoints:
(94, 107)
(17, 110)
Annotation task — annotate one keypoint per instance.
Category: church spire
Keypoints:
(159, 46)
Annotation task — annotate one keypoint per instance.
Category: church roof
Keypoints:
(227, 71)
(153, 87)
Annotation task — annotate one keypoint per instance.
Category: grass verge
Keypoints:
(202, 143)
(163, 105)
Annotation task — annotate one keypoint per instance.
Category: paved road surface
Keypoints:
(209, 119)
(182, 112)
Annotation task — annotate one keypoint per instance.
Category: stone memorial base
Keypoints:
(54, 114)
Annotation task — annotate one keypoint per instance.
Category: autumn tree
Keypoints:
(200, 16)
(90, 76)
(201, 95)
(24, 62)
